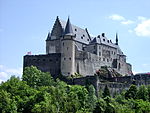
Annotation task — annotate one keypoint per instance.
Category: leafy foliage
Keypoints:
(131, 93)
(35, 77)
(142, 93)
(37, 92)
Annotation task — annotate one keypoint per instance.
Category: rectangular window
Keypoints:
(107, 60)
(99, 53)
(103, 59)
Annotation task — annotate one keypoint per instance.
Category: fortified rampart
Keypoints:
(115, 84)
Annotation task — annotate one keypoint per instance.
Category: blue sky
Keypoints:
(24, 25)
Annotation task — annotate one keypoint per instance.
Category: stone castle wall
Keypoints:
(116, 84)
(46, 63)
(87, 63)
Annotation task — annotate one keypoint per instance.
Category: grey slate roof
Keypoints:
(48, 36)
(105, 41)
(68, 28)
(81, 35)
(96, 40)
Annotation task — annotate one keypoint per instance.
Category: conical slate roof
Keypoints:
(68, 28)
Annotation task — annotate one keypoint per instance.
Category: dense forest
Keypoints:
(38, 92)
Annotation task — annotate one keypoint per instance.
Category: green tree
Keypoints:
(82, 95)
(148, 89)
(32, 76)
(35, 77)
(44, 102)
(110, 107)
(91, 98)
(19, 93)
(131, 92)
(100, 93)
(100, 106)
(142, 93)
(106, 92)
(142, 106)
(120, 99)
(7, 105)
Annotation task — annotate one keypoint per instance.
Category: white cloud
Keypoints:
(117, 17)
(5, 72)
(143, 28)
(122, 19)
(141, 18)
(142, 24)
(14, 71)
(127, 22)
(130, 31)
(3, 75)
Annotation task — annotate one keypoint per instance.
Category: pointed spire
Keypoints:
(116, 38)
(68, 28)
(57, 18)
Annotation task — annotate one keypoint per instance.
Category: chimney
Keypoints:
(103, 34)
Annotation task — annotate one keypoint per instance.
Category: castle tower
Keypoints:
(68, 51)
(53, 38)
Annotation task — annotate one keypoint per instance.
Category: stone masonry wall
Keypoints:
(46, 63)
(116, 84)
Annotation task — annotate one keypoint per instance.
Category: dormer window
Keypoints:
(108, 41)
(87, 39)
(81, 37)
(75, 35)
(75, 29)
(103, 39)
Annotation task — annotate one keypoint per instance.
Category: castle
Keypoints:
(71, 49)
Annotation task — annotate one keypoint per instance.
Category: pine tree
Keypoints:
(106, 92)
